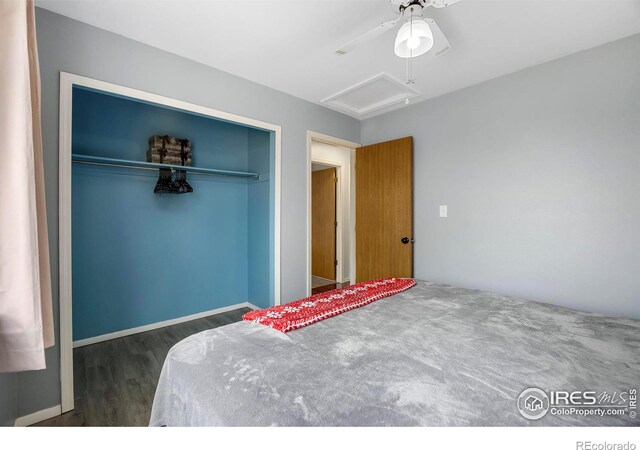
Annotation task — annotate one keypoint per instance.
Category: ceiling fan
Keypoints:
(418, 35)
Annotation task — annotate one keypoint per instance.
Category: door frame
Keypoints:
(67, 82)
(352, 146)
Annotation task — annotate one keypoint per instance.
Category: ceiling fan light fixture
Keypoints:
(414, 38)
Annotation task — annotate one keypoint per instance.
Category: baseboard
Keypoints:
(155, 326)
(38, 416)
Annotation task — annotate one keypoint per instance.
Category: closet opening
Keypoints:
(134, 256)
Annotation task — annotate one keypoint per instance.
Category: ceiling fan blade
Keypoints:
(441, 44)
(443, 3)
(373, 33)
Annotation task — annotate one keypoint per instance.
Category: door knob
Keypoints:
(406, 240)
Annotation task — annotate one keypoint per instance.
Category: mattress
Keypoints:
(434, 355)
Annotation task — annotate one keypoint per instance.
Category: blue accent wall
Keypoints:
(117, 127)
(141, 258)
(260, 254)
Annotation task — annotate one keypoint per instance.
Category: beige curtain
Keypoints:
(26, 319)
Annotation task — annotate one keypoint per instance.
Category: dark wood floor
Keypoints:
(115, 381)
(328, 287)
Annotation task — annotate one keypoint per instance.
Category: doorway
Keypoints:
(330, 232)
(382, 203)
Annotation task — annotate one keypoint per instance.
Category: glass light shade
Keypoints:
(414, 38)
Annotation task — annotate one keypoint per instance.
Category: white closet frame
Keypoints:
(67, 82)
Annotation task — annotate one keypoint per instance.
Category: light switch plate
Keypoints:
(443, 210)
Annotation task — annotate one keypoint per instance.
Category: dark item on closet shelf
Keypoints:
(165, 149)
(184, 154)
(166, 184)
(181, 180)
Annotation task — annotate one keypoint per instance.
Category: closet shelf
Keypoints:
(114, 162)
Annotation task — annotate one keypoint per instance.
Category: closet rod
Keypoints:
(113, 162)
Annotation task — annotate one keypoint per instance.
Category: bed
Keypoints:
(433, 355)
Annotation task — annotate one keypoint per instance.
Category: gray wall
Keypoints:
(8, 399)
(540, 170)
(70, 46)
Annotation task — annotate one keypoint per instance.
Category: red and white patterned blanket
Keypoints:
(306, 311)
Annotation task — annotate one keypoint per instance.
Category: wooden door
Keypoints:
(384, 210)
(323, 223)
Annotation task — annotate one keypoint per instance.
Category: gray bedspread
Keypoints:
(433, 355)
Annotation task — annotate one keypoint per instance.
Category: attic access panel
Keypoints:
(371, 95)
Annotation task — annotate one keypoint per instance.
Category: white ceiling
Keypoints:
(289, 44)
